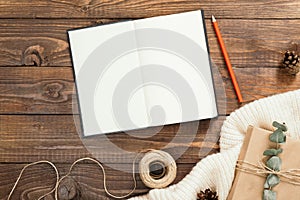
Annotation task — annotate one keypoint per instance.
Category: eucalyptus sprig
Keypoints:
(274, 162)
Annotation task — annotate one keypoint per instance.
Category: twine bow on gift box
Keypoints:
(271, 165)
(291, 176)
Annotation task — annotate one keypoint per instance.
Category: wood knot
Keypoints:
(38, 126)
(52, 90)
(84, 8)
(96, 22)
(33, 56)
(68, 189)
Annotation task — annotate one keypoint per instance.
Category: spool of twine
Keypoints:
(157, 169)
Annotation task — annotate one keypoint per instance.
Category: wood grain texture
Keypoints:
(254, 43)
(38, 42)
(50, 90)
(141, 8)
(44, 42)
(28, 138)
(88, 178)
(36, 90)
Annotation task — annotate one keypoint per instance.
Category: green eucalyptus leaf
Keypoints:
(274, 163)
(278, 136)
(279, 126)
(272, 152)
(272, 180)
(269, 195)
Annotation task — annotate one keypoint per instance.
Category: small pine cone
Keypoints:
(207, 195)
(292, 62)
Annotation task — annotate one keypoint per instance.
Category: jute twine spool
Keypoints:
(157, 169)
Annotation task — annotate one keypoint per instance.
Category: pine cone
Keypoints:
(207, 195)
(292, 62)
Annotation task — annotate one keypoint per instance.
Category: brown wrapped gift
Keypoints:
(248, 186)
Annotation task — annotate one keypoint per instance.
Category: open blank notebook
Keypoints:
(143, 73)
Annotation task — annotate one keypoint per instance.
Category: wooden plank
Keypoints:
(140, 8)
(37, 90)
(28, 138)
(44, 42)
(50, 90)
(88, 179)
(266, 82)
(38, 42)
(254, 43)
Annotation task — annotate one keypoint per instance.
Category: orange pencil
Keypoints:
(227, 61)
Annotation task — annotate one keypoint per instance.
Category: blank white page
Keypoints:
(106, 65)
(175, 68)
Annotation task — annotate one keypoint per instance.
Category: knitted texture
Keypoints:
(217, 171)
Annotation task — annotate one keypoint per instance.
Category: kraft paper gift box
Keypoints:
(249, 186)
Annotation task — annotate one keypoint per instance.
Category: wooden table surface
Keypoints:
(37, 119)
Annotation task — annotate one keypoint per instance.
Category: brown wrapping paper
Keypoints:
(247, 186)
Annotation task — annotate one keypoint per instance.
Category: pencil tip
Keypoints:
(213, 19)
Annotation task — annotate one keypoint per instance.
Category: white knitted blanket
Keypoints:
(217, 171)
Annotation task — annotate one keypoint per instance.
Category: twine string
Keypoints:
(59, 180)
(291, 176)
(104, 177)
(31, 164)
(165, 158)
